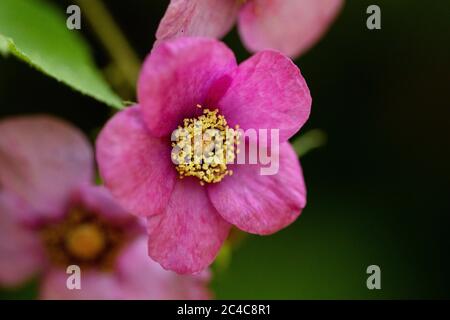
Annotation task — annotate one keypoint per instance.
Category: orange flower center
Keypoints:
(85, 241)
(83, 238)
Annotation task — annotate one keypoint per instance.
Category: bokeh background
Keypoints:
(379, 190)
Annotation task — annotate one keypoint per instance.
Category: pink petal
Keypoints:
(187, 236)
(197, 18)
(290, 26)
(21, 255)
(43, 159)
(135, 166)
(262, 204)
(142, 278)
(177, 76)
(268, 92)
(95, 285)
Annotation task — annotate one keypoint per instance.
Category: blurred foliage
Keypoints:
(309, 141)
(27, 291)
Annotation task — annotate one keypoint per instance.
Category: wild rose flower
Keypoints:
(290, 26)
(187, 221)
(52, 216)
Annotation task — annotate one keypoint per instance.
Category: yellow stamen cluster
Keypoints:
(203, 147)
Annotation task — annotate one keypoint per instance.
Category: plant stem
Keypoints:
(112, 39)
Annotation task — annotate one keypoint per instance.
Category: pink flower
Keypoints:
(52, 216)
(290, 26)
(188, 222)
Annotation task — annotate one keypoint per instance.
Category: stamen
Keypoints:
(204, 146)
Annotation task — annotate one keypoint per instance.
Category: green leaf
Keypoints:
(223, 259)
(3, 46)
(36, 32)
(309, 141)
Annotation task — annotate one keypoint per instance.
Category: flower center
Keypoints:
(82, 238)
(203, 146)
(85, 241)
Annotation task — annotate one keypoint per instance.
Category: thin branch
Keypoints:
(112, 38)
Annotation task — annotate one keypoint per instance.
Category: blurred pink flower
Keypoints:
(187, 222)
(290, 26)
(52, 216)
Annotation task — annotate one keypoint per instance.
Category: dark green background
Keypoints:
(378, 191)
